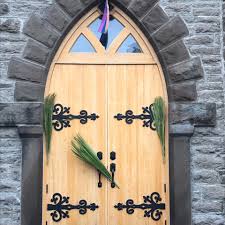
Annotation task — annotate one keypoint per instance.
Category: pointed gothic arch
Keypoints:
(46, 33)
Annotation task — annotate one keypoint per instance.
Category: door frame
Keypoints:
(177, 64)
(109, 57)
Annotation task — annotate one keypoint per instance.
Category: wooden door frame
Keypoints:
(178, 67)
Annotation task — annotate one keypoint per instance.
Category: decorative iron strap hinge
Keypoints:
(151, 206)
(146, 116)
(61, 117)
(61, 207)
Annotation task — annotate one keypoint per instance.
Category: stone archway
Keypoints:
(46, 32)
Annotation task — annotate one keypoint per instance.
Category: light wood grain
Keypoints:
(140, 169)
(80, 87)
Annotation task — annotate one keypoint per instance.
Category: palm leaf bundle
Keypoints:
(159, 121)
(84, 152)
(47, 121)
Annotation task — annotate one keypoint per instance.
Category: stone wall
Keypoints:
(13, 15)
(204, 21)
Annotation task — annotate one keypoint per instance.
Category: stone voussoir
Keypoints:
(54, 15)
(183, 92)
(155, 19)
(88, 2)
(187, 70)
(12, 114)
(25, 70)
(27, 91)
(141, 7)
(198, 114)
(40, 30)
(174, 29)
(72, 7)
(124, 3)
(36, 52)
(175, 53)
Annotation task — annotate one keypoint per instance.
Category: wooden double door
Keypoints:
(119, 96)
(106, 95)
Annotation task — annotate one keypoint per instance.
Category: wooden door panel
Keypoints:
(139, 166)
(79, 87)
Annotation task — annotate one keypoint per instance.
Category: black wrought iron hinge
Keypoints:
(146, 116)
(61, 207)
(151, 206)
(61, 117)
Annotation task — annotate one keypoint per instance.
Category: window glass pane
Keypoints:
(130, 45)
(115, 27)
(82, 45)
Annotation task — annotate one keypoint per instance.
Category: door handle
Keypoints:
(100, 156)
(113, 170)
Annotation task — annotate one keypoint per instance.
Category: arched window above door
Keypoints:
(115, 27)
(125, 43)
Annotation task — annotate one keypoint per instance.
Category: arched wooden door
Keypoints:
(111, 92)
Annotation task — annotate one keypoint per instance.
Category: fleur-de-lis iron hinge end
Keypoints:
(146, 116)
(151, 206)
(61, 207)
(61, 117)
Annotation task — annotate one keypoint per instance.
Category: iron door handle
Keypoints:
(113, 170)
(100, 157)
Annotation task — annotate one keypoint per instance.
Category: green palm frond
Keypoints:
(84, 152)
(47, 121)
(159, 120)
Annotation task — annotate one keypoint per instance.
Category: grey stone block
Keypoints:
(72, 7)
(186, 130)
(36, 52)
(4, 9)
(209, 192)
(207, 207)
(174, 30)
(155, 19)
(208, 159)
(206, 176)
(39, 30)
(175, 53)
(26, 91)
(198, 114)
(30, 131)
(183, 92)
(124, 3)
(12, 114)
(6, 85)
(54, 15)
(89, 2)
(10, 25)
(141, 7)
(188, 70)
(24, 70)
(202, 219)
